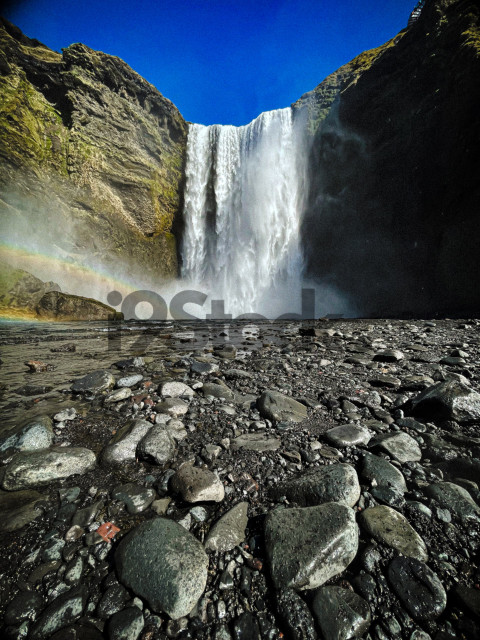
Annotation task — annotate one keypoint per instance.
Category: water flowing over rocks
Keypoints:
(249, 176)
(273, 525)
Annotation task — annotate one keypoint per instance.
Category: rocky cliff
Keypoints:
(91, 158)
(393, 215)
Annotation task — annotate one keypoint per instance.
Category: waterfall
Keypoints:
(243, 200)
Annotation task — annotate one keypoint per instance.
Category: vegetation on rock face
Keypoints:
(91, 148)
(59, 306)
(20, 290)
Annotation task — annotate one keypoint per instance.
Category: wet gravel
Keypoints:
(345, 372)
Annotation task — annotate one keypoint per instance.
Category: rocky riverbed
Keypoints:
(174, 480)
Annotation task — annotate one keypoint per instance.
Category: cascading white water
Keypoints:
(243, 200)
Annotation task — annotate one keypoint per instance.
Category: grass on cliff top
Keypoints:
(42, 52)
(472, 39)
(28, 125)
(9, 278)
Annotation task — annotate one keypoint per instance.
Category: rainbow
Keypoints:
(36, 262)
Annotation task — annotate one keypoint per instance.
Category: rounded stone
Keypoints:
(392, 529)
(197, 485)
(341, 613)
(307, 546)
(176, 389)
(36, 434)
(19, 508)
(118, 395)
(126, 624)
(333, 483)
(348, 435)
(455, 498)
(24, 606)
(123, 446)
(229, 531)
(418, 588)
(278, 407)
(164, 564)
(94, 382)
(129, 381)
(157, 446)
(37, 468)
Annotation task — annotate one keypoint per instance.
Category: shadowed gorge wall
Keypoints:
(393, 214)
(92, 157)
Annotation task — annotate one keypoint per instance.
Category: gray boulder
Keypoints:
(135, 497)
(172, 407)
(348, 435)
(279, 408)
(229, 531)
(197, 485)
(60, 613)
(256, 442)
(37, 468)
(126, 624)
(217, 391)
(454, 498)
(341, 613)
(157, 446)
(176, 389)
(123, 446)
(164, 564)
(379, 471)
(36, 434)
(94, 382)
(308, 546)
(19, 508)
(419, 589)
(333, 483)
(392, 529)
(399, 445)
(448, 400)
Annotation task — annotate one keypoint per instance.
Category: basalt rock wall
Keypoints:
(393, 214)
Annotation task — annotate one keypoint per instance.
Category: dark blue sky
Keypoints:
(220, 61)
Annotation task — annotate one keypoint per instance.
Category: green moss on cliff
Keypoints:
(31, 130)
(472, 39)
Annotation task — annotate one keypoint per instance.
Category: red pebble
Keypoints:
(107, 531)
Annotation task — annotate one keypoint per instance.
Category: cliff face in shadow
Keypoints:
(393, 216)
(91, 157)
